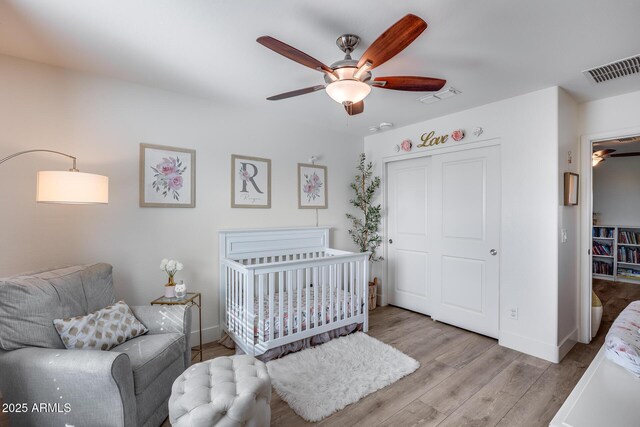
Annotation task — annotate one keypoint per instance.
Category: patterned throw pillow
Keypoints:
(100, 330)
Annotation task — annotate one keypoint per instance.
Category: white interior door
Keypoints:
(466, 235)
(408, 248)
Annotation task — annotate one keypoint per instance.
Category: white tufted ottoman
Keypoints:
(226, 391)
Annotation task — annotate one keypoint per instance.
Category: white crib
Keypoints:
(281, 285)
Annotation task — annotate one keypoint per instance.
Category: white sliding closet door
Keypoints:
(466, 219)
(443, 254)
(408, 248)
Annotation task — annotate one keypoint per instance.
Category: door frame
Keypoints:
(384, 292)
(586, 218)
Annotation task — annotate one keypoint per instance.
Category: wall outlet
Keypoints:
(513, 313)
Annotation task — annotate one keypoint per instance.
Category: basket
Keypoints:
(372, 293)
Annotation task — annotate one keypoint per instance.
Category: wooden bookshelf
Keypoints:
(603, 251)
(615, 253)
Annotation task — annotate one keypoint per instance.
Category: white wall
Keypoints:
(527, 128)
(616, 191)
(569, 221)
(618, 113)
(102, 122)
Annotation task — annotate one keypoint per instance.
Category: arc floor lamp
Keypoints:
(68, 187)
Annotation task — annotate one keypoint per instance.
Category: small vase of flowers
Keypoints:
(171, 267)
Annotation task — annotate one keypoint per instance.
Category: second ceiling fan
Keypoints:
(349, 81)
(602, 155)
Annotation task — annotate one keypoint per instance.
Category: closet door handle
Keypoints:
(493, 252)
(391, 241)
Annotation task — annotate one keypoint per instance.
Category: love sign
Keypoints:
(428, 139)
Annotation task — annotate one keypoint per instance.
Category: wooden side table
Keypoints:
(191, 299)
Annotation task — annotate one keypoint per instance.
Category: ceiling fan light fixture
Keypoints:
(345, 73)
(595, 160)
(348, 91)
(348, 79)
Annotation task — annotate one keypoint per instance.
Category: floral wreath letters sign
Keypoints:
(167, 177)
(312, 186)
(250, 182)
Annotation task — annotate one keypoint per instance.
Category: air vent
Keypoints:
(614, 70)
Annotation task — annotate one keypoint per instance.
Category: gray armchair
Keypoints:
(129, 385)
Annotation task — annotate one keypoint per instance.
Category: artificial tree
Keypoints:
(364, 231)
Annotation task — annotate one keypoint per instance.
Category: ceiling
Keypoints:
(489, 50)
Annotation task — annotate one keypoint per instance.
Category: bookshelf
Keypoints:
(603, 250)
(615, 253)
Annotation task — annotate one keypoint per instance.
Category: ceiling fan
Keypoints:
(349, 81)
(601, 155)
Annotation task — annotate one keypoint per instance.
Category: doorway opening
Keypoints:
(611, 215)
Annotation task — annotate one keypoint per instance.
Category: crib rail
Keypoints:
(272, 301)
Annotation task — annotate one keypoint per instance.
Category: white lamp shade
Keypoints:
(348, 91)
(72, 187)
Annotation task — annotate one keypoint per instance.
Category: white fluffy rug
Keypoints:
(322, 380)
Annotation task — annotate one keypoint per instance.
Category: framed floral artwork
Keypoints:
(312, 186)
(167, 177)
(250, 182)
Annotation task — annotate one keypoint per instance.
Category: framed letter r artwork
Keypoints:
(250, 182)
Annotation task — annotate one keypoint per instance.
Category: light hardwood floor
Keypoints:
(464, 379)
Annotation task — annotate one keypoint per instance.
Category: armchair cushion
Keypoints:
(100, 330)
(150, 355)
(31, 302)
(162, 319)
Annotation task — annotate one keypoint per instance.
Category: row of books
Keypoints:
(631, 273)
(626, 254)
(602, 232)
(601, 249)
(631, 237)
(601, 267)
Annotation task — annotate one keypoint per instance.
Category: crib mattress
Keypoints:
(296, 323)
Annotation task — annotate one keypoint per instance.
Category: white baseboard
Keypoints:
(381, 301)
(567, 343)
(210, 334)
(526, 345)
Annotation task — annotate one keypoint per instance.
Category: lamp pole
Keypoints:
(73, 169)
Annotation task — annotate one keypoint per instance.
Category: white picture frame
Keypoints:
(167, 177)
(250, 182)
(312, 186)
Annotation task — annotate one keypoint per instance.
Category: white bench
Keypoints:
(606, 395)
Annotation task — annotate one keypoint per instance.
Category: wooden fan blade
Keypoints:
(601, 153)
(626, 154)
(295, 93)
(410, 83)
(354, 108)
(293, 54)
(393, 41)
